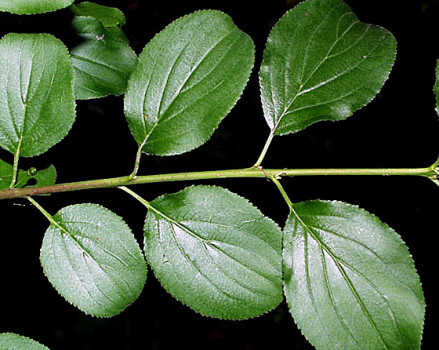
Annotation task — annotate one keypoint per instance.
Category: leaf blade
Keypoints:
(6, 171)
(32, 7)
(37, 106)
(321, 63)
(92, 259)
(108, 16)
(188, 78)
(43, 177)
(350, 281)
(15, 341)
(222, 261)
(103, 62)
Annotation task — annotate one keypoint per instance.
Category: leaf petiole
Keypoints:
(283, 192)
(15, 166)
(137, 162)
(136, 196)
(265, 149)
(47, 215)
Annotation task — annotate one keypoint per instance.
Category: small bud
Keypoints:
(32, 171)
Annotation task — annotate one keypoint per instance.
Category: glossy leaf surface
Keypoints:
(188, 78)
(322, 63)
(350, 281)
(92, 259)
(103, 62)
(37, 106)
(30, 7)
(215, 252)
(11, 341)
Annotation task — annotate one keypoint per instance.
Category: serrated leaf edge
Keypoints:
(75, 304)
(129, 83)
(165, 287)
(37, 12)
(396, 235)
(386, 76)
(25, 338)
(70, 68)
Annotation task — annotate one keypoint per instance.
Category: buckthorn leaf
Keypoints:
(350, 281)
(37, 106)
(31, 7)
(322, 63)
(43, 177)
(12, 341)
(108, 16)
(103, 62)
(215, 252)
(92, 259)
(186, 81)
(6, 175)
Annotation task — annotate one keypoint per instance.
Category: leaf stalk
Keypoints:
(283, 193)
(15, 165)
(265, 149)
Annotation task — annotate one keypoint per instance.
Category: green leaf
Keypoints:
(215, 252)
(103, 62)
(322, 63)
(11, 341)
(92, 259)
(43, 177)
(187, 80)
(436, 87)
(108, 16)
(350, 281)
(37, 106)
(6, 175)
(31, 7)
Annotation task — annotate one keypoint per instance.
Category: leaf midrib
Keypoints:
(161, 113)
(204, 241)
(336, 261)
(327, 56)
(88, 253)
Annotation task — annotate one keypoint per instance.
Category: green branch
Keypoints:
(254, 172)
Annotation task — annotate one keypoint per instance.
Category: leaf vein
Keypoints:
(331, 298)
(196, 268)
(344, 275)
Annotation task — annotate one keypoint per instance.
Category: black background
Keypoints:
(398, 129)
